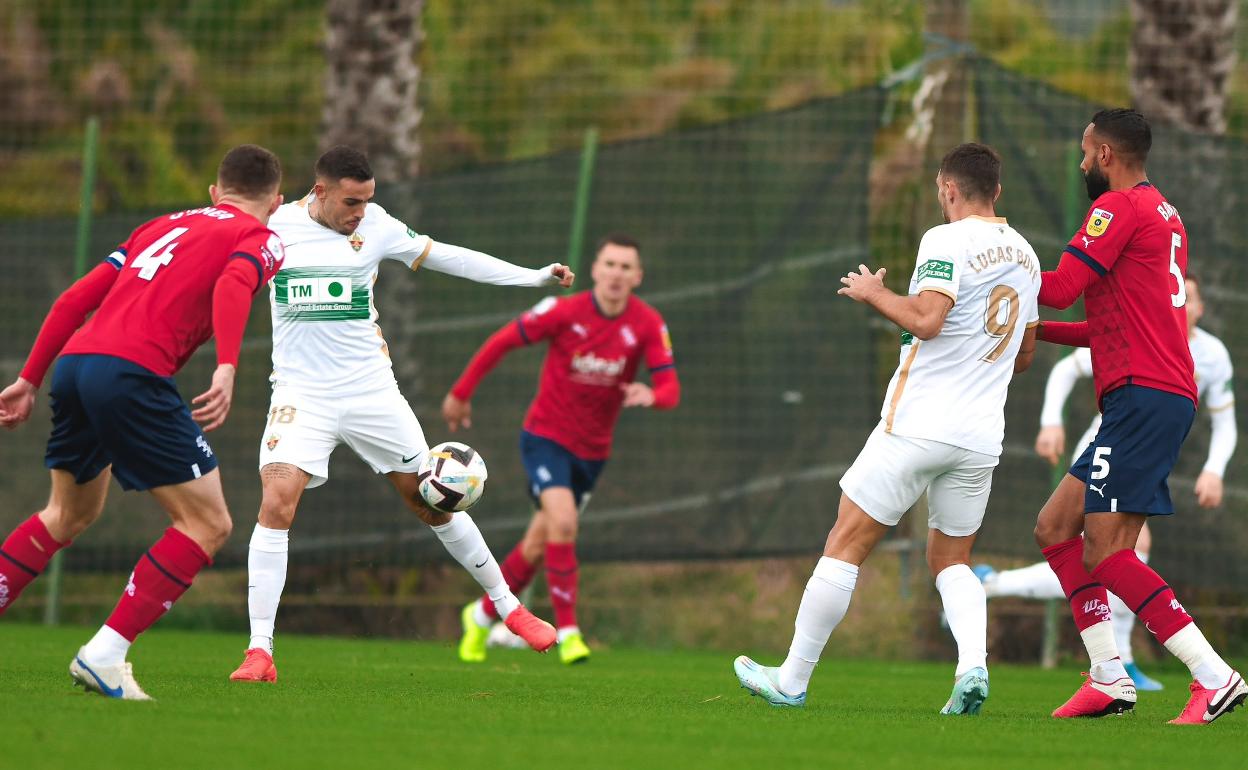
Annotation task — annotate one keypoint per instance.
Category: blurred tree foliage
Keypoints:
(176, 82)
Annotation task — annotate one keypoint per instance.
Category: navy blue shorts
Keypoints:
(1128, 462)
(109, 411)
(548, 465)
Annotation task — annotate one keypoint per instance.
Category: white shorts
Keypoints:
(303, 430)
(892, 472)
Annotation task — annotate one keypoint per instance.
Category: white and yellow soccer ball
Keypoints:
(452, 477)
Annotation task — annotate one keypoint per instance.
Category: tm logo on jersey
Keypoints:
(1098, 221)
(317, 295)
(936, 268)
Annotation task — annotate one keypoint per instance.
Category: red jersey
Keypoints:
(1135, 243)
(590, 356)
(159, 309)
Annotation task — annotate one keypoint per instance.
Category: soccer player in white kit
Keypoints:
(333, 383)
(968, 325)
(1214, 374)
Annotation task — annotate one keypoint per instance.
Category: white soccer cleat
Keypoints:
(764, 681)
(969, 693)
(109, 681)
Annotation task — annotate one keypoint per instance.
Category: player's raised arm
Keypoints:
(67, 314)
(922, 314)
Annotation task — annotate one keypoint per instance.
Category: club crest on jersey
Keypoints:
(1098, 221)
(272, 442)
(626, 334)
(356, 240)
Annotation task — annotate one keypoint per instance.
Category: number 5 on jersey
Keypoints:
(149, 261)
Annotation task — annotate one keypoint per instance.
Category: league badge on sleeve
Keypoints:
(1098, 222)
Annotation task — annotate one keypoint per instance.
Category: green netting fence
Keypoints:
(746, 228)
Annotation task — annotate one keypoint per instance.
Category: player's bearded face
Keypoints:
(341, 204)
(1096, 181)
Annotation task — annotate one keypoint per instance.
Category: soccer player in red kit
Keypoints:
(176, 281)
(598, 338)
(1128, 261)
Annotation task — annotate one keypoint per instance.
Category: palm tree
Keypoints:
(1181, 59)
(371, 77)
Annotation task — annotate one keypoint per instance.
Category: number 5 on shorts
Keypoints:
(1100, 462)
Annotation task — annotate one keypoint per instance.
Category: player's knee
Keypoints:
(277, 511)
(67, 523)
(561, 529)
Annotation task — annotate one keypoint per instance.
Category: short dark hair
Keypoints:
(343, 162)
(1128, 132)
(250, 170)
(976, 168)
(619, 239)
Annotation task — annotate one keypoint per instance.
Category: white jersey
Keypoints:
(325, 333)
(952, 388)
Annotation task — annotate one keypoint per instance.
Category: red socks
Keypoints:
(561, 576)
(1143, 590)
(162, 575)
(517, 572)
(23, 556)
(1089, 601)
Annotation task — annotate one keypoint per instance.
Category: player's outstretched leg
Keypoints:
(479, 615)
(1217, 688)
(24, 555)
(464, 541)
(823, 606)
(1035, 581)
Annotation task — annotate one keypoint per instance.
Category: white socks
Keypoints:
(1103, 652)
(464, 541)
(1037, 581)
(824, 604)
(266, 577)
(966, 608)
(1190, 646)
(106, 648)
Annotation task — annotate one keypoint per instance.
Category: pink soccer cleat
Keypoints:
(1206, 705)
(539, 634)
(1098, 699)
(257, 666)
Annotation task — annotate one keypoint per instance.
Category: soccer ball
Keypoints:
(452, 477)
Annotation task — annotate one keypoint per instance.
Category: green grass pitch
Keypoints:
(342, 703)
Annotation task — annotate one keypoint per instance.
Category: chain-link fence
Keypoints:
(749, 146)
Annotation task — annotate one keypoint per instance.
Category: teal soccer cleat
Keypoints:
(763, 681)
(1143, 682)
(969, 693)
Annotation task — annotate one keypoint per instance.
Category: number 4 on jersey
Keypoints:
(149, 261)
